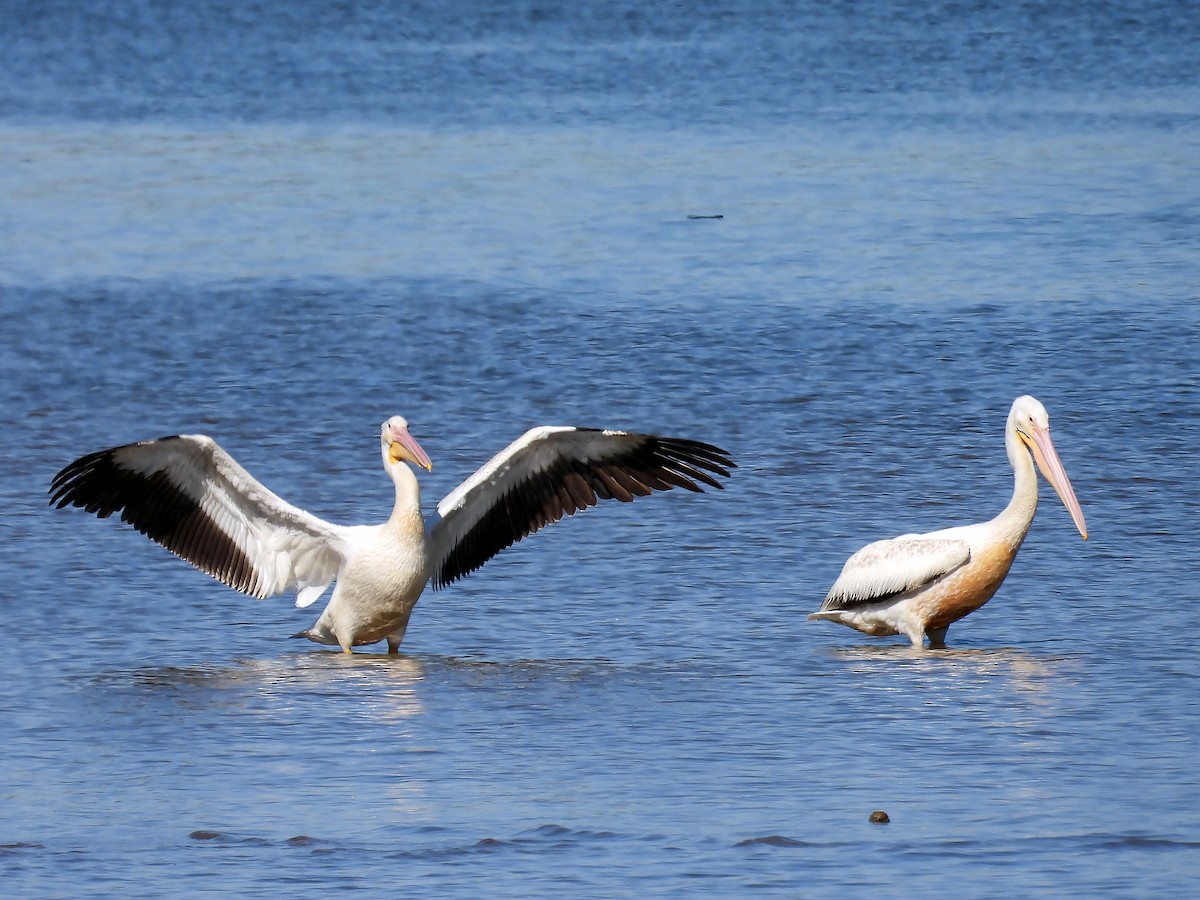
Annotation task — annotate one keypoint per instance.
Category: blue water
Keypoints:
(280, 226)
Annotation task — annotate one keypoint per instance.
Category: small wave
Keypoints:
(219, 837)
(543, 838)
(1139, 842)
(773, 840)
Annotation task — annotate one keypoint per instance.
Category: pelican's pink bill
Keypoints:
(1052, 468)
(401, 437)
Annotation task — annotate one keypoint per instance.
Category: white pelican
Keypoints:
(918, 584)
(190, 496)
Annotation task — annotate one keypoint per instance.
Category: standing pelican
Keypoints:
(918, 584)
(190, 496)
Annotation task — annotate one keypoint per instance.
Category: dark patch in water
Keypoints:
(221, 837)
(547, 831)
(1145, 843)
(774, 840)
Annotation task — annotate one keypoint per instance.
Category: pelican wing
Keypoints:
(551, 472)
(187, 494)
(886, 568)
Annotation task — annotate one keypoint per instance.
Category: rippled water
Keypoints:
(479, 218)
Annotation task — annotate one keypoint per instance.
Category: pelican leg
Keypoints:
(937, 637)
(913, 631)
(394, 639)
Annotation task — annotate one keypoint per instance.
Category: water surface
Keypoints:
(479, 218)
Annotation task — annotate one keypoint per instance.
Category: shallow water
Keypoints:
(631, 702)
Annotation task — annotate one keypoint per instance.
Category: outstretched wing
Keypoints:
(551, 472)
(187, 494)
(886, 568)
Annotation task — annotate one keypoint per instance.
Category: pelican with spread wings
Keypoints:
(190, 496)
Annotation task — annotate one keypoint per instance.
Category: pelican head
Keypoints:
(400, 446)
(1031, 423)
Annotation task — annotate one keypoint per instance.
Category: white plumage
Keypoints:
(897, 565)
(190, 496)
(919, 584)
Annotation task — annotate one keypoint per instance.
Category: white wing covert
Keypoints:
(886, 568)
(187, 494)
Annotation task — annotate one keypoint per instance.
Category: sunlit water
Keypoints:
(481, 221)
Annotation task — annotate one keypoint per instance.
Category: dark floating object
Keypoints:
(718, 216)
(879, 817)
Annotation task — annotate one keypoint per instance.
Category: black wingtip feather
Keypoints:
(157, 507)
(653, 463)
